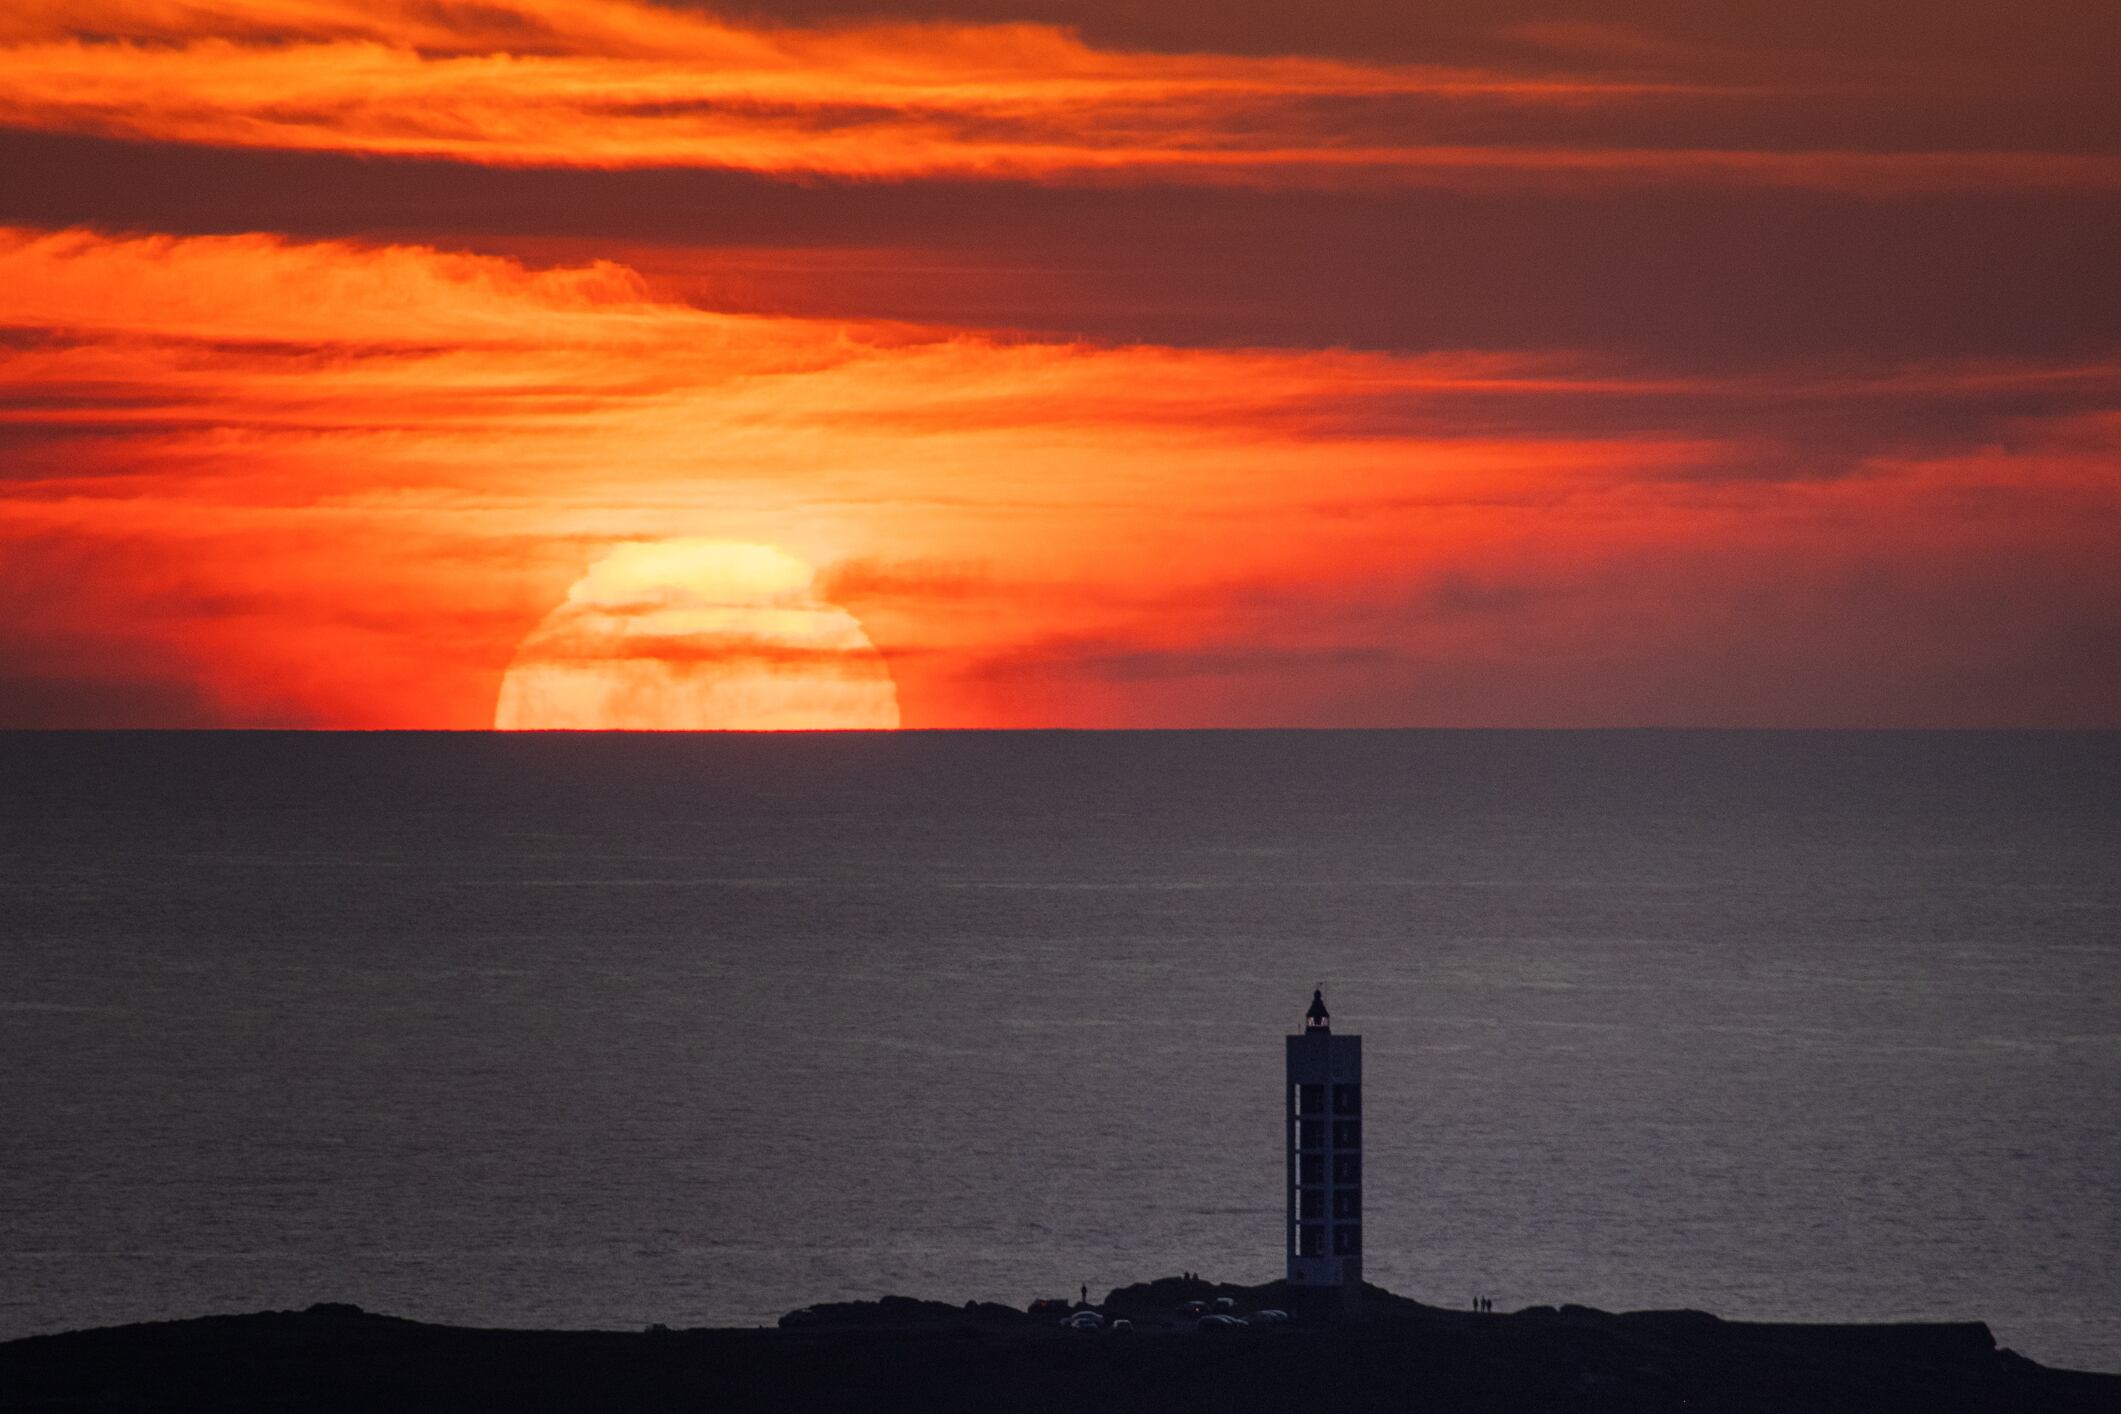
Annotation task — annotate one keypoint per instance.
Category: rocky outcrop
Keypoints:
(1386, 1353)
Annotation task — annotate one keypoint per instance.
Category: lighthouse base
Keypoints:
(1325, 1271)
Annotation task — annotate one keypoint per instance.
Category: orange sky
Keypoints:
(1550, 370)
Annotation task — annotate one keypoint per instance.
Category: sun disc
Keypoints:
(697, 635)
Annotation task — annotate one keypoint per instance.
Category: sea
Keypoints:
(555, 1030)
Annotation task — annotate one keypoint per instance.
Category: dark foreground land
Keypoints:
(1392, 1354)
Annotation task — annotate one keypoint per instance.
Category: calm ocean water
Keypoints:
(599, 1031)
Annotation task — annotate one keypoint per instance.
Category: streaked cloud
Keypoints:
(621, 84)
(337, 483)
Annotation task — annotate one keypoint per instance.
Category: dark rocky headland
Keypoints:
(897, 1354)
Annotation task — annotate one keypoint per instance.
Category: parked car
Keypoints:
(1218, 1325)
(1193, 1308)
(1269, 1317)
(1083, 1321)
(1122, 1326)
(1226, 1303)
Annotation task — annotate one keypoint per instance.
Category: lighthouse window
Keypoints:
(1347, 1203)
(1347, 1099)
(1310, 1099)
(1311, 1168)
(1347, 1240)
(1311, 1133)
(1312, 1205)
(1310, 1240)
(1347, 1134)
(1347, 1169)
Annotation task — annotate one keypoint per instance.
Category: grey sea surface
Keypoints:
(597, 1031)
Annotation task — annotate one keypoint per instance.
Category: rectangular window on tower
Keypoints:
(1347, 1203)
(1347, 1134)
(1347, 1241)
(1310, 1099)
(1310, 1240)
(1311, 1204)
(1310, 1134)
(1311, 1168)
(1347, 1099)
(1347, 1169)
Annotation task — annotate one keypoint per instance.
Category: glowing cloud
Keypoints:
(254, 481)
(617, 83)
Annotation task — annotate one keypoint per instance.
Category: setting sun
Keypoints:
(1114, 366)
(697, 635)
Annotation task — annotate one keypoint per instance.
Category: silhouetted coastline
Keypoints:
(902, 1354)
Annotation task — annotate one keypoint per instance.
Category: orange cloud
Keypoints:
(617, 83)
(337, 484)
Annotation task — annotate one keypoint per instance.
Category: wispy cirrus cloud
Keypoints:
(622, 84)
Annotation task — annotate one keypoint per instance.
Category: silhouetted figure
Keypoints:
(1086, 1293)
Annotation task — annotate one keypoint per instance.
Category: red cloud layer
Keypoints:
(254, 480)
(615, 83)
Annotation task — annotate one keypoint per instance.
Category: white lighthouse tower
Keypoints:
(1325, 1154)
